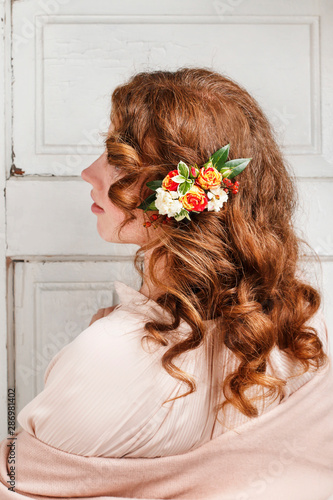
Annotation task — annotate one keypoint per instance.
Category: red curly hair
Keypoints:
(238, 264)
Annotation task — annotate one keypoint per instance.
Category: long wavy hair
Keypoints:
(238, 264)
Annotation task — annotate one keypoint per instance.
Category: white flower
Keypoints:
(219, 191)
(217, 197)
(174, 194)
(166, 203)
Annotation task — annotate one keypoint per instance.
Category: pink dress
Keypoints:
(103, 392)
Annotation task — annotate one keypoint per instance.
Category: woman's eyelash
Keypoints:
(110, 163)
(118, 169)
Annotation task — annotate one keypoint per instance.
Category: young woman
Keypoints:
(224, 330)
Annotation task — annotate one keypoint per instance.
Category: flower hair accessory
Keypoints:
(190, 189)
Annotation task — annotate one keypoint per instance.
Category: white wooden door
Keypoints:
(61, 61)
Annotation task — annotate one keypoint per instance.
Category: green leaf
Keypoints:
(145, 204)
(182, 214)
(183, 169)
(152, 206)
(179, 179)
(185, 187)
(220, 157)
(238, 161)
(154, 184)
(237, 166)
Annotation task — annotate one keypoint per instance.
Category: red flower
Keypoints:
(194, 199)
(168, 183)
(208, 178)
(193, 171)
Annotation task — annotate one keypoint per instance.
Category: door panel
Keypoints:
(54, 302)
(78, 60)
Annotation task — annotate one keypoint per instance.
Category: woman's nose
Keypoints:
(92, 174)
(85, 174)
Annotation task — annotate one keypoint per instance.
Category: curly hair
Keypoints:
(238, 264)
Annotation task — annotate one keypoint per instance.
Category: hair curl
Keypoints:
(238, 264)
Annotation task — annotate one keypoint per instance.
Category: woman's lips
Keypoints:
(96, 209)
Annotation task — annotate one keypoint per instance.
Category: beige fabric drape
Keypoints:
(286, 453)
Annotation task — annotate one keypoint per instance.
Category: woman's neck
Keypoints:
(148, 288)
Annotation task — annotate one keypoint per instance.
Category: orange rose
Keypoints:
(194, 199)
(208, 178)
(168, 183)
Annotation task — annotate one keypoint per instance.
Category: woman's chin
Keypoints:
(103, 232)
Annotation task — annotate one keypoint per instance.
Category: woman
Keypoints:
(224, 339)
